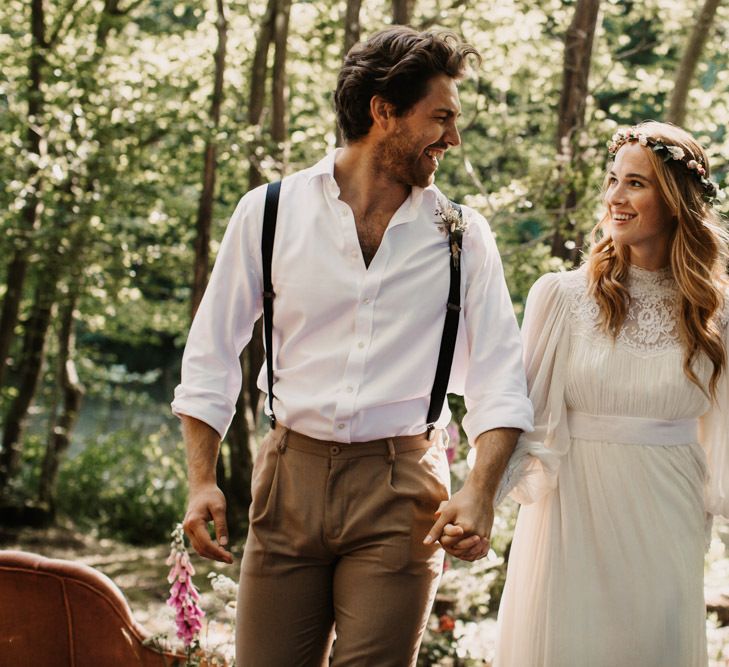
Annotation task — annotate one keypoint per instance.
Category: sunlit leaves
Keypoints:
(124, 125)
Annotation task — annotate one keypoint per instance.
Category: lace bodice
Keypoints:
(640, 373)
(571, 364)
(650, 325)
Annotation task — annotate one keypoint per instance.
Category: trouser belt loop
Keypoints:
(282, 443)
(390, 450)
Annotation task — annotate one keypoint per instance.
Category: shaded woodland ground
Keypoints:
(140, 572)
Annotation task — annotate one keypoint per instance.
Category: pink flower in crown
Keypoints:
(696, 166)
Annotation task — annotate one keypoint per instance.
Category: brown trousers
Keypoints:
(335, 542)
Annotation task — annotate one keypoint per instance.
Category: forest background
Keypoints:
(129, 129)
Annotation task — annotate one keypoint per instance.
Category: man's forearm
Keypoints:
(493, 449)
(202, 443)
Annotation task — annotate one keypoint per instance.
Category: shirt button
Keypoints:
(350, 390)
(360, 345)
(367, 300)
(340, 426)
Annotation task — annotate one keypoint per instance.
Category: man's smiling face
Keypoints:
(411, 151)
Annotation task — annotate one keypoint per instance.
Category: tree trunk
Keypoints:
(49, 277)
(59, 437)
(234, 473)
(11, 304)
(255, 354)
(571, 113)
(239, 464)
(402, 11)
(205, 207)
(36, 330)
(257, 93)
(351, 37)
(689, 61)
(278, 88)
(274, 28)
(18, 268)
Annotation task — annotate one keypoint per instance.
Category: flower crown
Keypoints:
(667, 152)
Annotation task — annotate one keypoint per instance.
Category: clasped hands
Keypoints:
(463, 525)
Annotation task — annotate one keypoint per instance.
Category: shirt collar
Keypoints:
(324, 168)
(419, 197)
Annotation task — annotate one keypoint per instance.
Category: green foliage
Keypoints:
(127, 485)
(124, 119)
(23, 488)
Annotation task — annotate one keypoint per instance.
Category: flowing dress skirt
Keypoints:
(607, 570)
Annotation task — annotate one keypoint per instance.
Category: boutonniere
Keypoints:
(452, 225)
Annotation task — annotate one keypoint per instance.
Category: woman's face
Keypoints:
(638, 216)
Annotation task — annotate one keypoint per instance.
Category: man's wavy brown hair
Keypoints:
(397, 64)
(698, 257)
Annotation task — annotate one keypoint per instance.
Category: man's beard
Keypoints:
(403, 161)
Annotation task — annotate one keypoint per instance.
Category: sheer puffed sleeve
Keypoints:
(714, 438)
(532, 469)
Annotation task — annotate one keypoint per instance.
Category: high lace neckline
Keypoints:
(640, 279)
(639, 271)
(650, 325)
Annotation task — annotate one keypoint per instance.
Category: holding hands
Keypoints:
(463, 524)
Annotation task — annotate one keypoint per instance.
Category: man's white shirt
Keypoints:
(355, 347)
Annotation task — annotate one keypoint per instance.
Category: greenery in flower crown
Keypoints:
(668, 152)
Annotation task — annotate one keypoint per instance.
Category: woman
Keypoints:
(626, 361)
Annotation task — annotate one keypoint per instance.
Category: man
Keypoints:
(347, 485)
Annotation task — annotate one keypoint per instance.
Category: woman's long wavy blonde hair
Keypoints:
(698, 257)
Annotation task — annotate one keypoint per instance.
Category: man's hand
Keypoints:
(207, 503)
(463, 525)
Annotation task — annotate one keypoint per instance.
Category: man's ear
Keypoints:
(382, 112)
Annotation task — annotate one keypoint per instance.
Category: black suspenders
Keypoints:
(447, 341)
(450, 326)
(270, 213)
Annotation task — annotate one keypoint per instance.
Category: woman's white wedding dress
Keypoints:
(628, 456)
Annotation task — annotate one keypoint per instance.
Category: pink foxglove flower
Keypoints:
(454, 437)
(184, 596)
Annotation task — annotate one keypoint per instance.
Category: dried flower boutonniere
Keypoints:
(452, 225)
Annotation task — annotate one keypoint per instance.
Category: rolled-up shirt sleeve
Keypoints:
(223, 324)
(495, 383)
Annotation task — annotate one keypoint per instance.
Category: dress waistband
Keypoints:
(632, 430)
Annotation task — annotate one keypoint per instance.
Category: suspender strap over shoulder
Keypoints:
(270, 213)
(450, 326)
(447, 342)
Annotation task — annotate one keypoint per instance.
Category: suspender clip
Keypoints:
(454, 306)
(429, 431)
